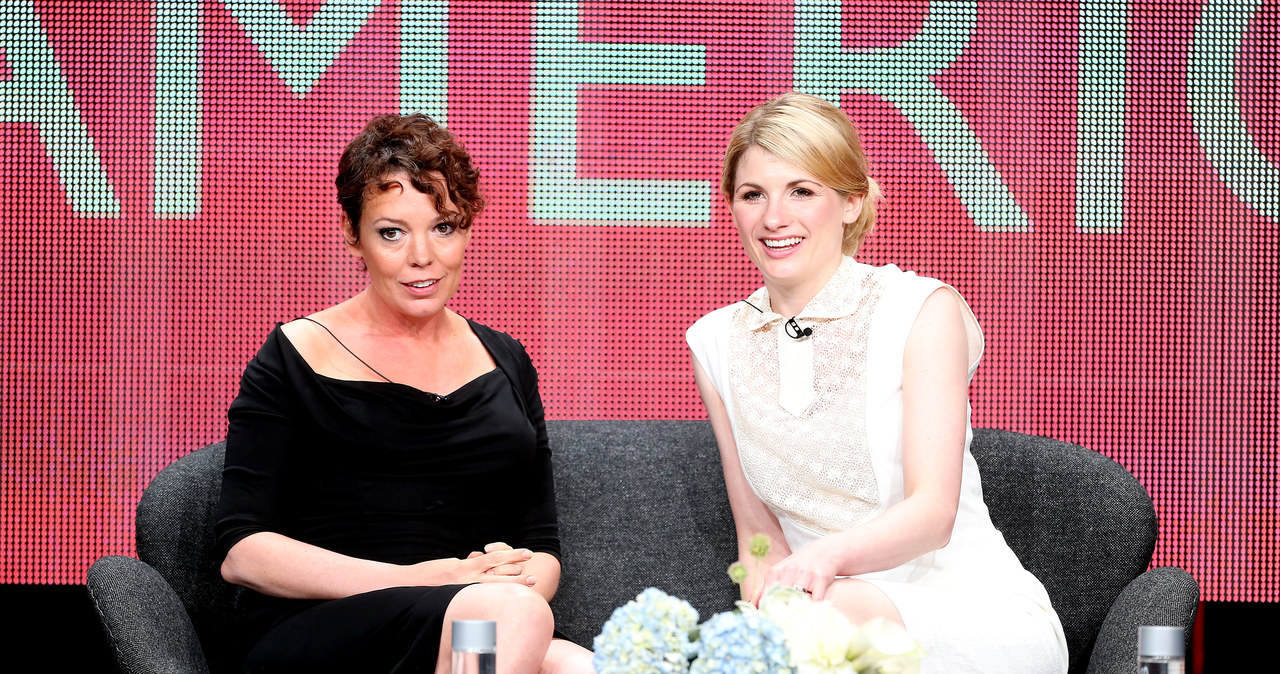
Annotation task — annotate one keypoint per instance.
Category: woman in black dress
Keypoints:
(387, 468)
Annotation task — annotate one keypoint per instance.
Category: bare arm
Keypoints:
(280, 566)
(934, 418)
(544, 571)
(750, 515)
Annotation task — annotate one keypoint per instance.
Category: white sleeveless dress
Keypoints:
(818, 424)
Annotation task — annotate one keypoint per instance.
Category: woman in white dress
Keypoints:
(838, 394)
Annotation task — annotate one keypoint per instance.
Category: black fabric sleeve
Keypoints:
(541, 524)
(260, 433)
(537, 528)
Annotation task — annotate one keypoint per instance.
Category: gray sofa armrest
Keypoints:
(144, 620)
(1162, 596)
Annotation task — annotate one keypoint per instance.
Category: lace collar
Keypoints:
(838, 298)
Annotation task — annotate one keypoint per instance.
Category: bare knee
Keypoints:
(523, 620)
(505, 603)
(861, 601)
(566, 657)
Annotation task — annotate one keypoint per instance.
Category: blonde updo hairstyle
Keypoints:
(818, 138)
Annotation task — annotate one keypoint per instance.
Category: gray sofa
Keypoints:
(642, 503)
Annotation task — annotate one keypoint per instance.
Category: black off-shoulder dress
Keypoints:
(386, 472)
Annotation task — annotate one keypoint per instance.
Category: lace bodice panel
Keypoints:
(800, 405)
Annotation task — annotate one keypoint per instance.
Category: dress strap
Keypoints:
(348, 349)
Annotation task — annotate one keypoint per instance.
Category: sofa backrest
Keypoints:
(643, 503)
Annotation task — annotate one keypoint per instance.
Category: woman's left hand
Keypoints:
(811, 569)
(543, 569)
(503, 569)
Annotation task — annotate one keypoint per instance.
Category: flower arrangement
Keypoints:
(788, 633)
(732, 642)
(650, 633)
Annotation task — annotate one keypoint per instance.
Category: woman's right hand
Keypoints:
(811, 570)
(280, 566)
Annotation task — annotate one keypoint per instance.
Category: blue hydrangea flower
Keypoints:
(647, 635)
(733, 643)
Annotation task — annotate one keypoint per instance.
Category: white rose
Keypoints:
(884, 647)
(818, 634)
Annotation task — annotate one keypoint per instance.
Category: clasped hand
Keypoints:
(810, 569)
(499, 563)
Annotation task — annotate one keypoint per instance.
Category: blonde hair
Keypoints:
(817, 137)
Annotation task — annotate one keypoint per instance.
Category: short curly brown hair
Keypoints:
(414, 144)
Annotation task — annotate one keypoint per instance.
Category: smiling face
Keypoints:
(791, 225)
(413, 253)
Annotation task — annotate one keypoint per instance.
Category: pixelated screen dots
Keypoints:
(1043, 159)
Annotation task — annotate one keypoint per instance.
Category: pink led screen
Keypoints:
(1098, 178)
